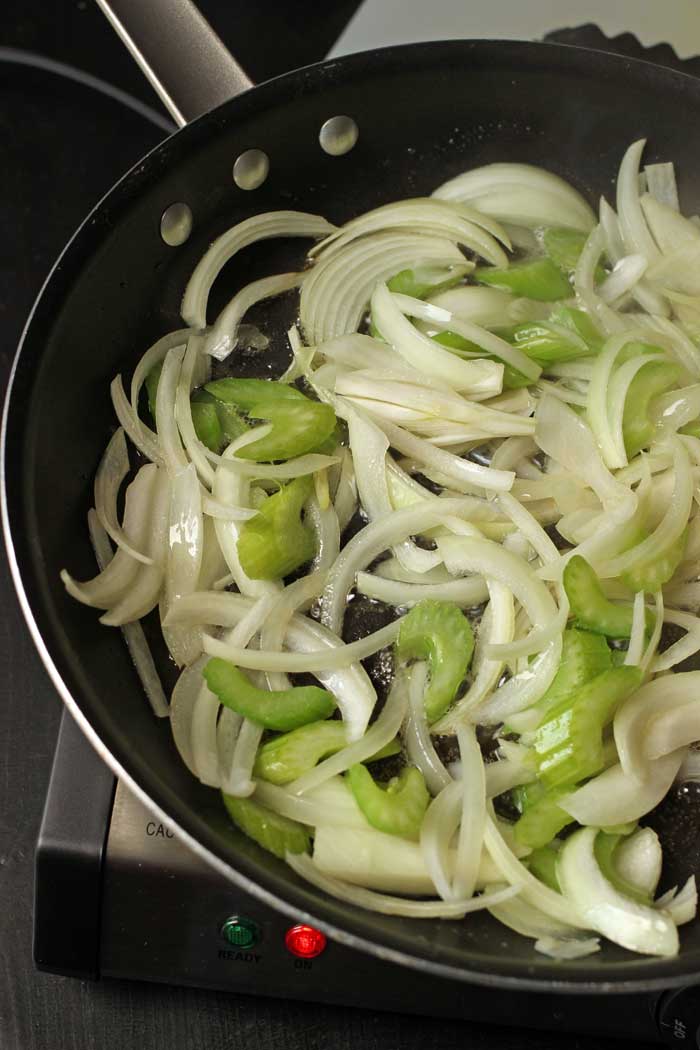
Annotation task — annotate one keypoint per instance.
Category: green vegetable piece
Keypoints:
(589, 606)
(440, 633)
(652, 573)
(541, 816)
(652, 379)
(276, 834)
(543, 344)
(564, 246)
(691, 429)
(569, 745)
(398, 808)
(542, 863)
(584, 656)
(538, 279)
(621, 829)
(423, 281)
(245, 393)
(206, 425)
(579, 322)
(285, 758)
(282, 709)
(152, 380)
(299, 425)
(276, 541)
(604, 848)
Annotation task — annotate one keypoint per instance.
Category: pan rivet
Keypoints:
(176, 224)
(338, 135)
(251, 169)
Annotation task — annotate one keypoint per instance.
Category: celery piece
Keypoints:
(543, 344)
(621, 829)
(579, 322)
(275, 833)
(297, 428)
(388, 751)
(604, 849)
(397, 808)
(584, 656)
(276, 541)
(569, 745)
(286, 757)
(281, 709)
(245, 393)
(206, 425)
(564, 246)
(654, 378)
(538, 279)
(422, 282)
(691, 429)
(589, 606)
(542, 863)
(231, 424)
(440, 633)
(152, 380)
(652, 573)
(541, 817)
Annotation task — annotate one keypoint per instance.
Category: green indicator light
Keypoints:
(240, 932)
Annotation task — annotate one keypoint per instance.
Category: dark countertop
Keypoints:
(37, 214)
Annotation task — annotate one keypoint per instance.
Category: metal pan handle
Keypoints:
(187, 63)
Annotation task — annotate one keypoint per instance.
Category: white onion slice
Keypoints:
(416, 736)
(184, 560)
(438, 828)
(473, 816)
(153, 357)
(379, 902)
(638, 860)
(683, 905)
(613, 797)
(171, 448)
(141, 436)
(633, 227)
(465, 592)
(222, 337)
(624, 276)
(257, 228)
(376, 737)
(194, 448)
(134, 637)
(605, 909)
(661, 184)
(182, 704)
(113, 468)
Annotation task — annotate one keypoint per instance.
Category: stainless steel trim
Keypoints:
(186, 62)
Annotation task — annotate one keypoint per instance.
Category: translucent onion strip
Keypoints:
(473, 816)
(440, 823)
(416, 736)
(171, 448)
(387, 905)
(135, 639)
(113, 468)
(222, 338)
(184, 561)
(257, 228)
(613, 797)
(467, 592)
(151, 359)
(141, 436)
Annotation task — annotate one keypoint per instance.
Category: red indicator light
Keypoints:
(304, 941)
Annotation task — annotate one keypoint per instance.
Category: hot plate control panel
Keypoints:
(118, 894)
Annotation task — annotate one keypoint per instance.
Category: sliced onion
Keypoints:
(606, 319)
(293, 468)
(222, 338)
(520, 194)
(633, 227)
(194, 448)
(168, 436)
(294, 597)
(135, 639)
(345, 499)
(153, 357)
(465, 592)
(638, 860)
(473, 816)
(144, 593)
(508, 773)
(336, 292)
(624, 276)
(661, 184)
(423, 215)
(376, 737)
(379, 902)
(613, 797)
(113, 468)
(115, 581)
(327, 531)
(325, 659)
(416, 736)
(497, 627)
(214, 509)
(204, 743)
(257, 228)
(670, 230)
(438, 828)
(636, 645)
(488, 307)
(622, 920)
(141, 436)
(184, 561)
(333, 803)
(684, 647)
(182, 704)
(683, 905)
(532, 890)
(479, 378)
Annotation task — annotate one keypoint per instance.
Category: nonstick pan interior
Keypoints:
(424, 113)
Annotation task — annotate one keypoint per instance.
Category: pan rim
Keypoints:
(71, 258)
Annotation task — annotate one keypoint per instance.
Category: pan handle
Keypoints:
(186, 62)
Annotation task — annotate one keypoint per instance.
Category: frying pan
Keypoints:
(424, 113)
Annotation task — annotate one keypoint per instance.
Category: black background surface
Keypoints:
(62, 146)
